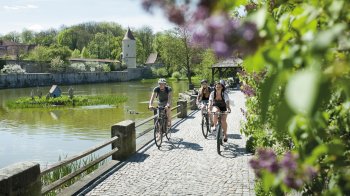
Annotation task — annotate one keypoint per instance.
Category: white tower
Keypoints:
(129, 49)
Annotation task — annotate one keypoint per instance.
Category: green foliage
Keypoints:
(76, 53)
(85, 53)
(161, 73)
(302, 103)
(59, 173)
(176, 75)
(102, 46)
(43, 102)
(204, 69)
(77, 67)
(144, 37)
(57, 65)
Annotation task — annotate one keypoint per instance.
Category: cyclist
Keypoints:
(164, 95)
(203, 97)
(219, 102)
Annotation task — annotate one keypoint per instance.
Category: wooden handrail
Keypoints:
(64, 179)
(78, 156)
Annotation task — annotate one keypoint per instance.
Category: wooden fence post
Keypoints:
(20, 179)
(126, 142)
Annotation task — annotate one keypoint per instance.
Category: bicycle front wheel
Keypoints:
(205, 126)
(158, 135)
(219, 138)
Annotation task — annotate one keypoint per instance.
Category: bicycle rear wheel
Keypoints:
(205, 126)
(158, 135)
(219, 138)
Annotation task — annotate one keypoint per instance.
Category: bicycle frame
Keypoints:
(160, 126)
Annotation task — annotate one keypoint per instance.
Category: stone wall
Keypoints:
(20, 179)
(48, 79)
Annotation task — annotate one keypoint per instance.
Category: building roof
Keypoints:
(229, 62)
(128, 35)
(94, 60)
(152, 58)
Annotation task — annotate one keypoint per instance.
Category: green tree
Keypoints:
(76, 53)
(12, 36)
(140, 52)
(102, 46)
(46, 38)
(145, 36)
(85, 53)
(27, 36)
(208, 59)
(68, 37)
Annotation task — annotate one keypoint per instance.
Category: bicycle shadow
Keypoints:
(179, 143)
(234, 136)
(231, 150)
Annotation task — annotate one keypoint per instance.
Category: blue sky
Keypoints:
(37, 15)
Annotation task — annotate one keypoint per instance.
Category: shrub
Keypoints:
(162, 72)
(13, 69)
(78, 67)
(57, 65)
(176, 75)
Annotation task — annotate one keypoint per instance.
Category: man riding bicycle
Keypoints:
(219, 102)
(203, 97)
(164, 95)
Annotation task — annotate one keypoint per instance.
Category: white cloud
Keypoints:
(36, 27)
(19, 7)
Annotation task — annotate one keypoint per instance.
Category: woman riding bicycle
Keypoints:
(219, 102)
(203, 97)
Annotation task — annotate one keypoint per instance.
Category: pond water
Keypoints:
(43, 135)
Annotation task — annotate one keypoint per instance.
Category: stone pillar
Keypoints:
(20, 179)
(182, 109)
(193, 102)
(126, 142)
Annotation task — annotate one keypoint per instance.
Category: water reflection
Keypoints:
(45, 134)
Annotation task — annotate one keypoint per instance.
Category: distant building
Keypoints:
(153, 60)
(129, 49)
(55, 91)
(13, 49)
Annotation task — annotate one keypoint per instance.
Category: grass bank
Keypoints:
(64, 100)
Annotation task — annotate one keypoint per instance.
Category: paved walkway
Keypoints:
(188, 164)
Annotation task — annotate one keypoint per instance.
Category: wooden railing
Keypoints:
(123, 145)
(61, 181)
(114, 139)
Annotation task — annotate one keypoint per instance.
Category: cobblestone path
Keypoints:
(188, 164)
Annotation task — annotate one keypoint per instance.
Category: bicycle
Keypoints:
(205, 121)
(219, 131)
(160, 126)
